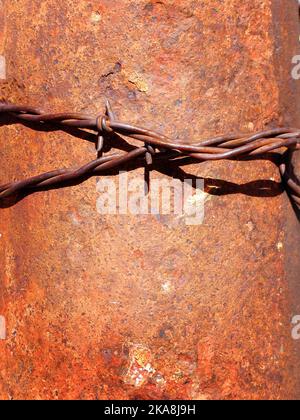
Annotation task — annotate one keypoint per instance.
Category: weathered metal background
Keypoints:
(146, 307)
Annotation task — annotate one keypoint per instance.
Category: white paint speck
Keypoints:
(280, 246)
(2, 67)
(96, 17)
(210, 93)
(2, 328)
(250, 226)
(167, 287)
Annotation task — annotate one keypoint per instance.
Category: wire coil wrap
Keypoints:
(154, 145)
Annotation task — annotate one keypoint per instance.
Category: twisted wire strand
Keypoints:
(155, 145)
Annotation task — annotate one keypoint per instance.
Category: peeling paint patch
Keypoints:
(140, 369)
(139, 82)
(2, 67)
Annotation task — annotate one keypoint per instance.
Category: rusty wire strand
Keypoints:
(155, 145)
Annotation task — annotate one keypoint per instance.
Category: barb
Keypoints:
(154, 146)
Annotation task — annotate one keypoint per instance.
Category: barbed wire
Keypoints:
(154, 146)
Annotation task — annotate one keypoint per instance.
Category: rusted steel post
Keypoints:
(121, 306)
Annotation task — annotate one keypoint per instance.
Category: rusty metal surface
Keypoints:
(145, 307)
